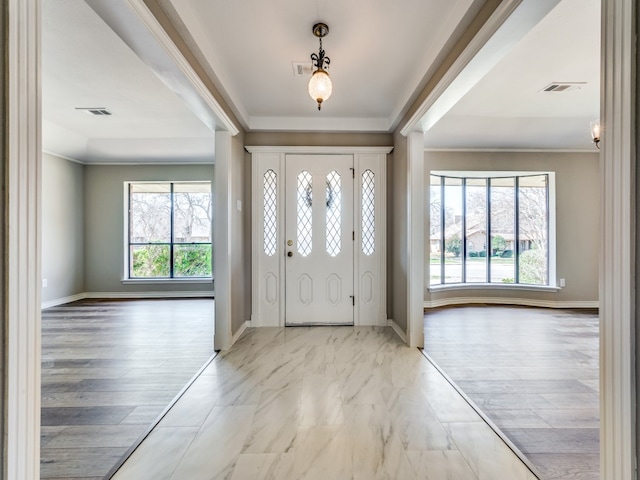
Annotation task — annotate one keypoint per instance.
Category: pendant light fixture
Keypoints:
(320, 84)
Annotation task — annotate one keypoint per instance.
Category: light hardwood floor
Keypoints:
(109, 368)
(322, 403)
(533, 372)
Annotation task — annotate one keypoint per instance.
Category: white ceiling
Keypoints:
(507, 110)
(382, 52)
(85, 64)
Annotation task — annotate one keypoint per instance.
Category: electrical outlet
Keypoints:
(44, 283)
(562, 282)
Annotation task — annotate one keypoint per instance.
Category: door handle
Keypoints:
(289, 254)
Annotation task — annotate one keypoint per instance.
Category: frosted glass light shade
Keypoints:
(320, 86)
(595, 130)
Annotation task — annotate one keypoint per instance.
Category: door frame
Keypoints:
(268, 271)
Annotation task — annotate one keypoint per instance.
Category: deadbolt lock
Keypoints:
(289, 242)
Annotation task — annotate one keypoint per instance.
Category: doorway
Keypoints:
(319, 254)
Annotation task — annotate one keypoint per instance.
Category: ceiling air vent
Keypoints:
(95, 111)
(301, 69)
(563, 86)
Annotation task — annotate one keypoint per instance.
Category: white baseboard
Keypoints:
(526, 302)
(63, 300)
(240, 331)
(396, 328)
(143, 295)
(115, 295)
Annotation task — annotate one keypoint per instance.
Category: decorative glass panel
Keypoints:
(305, 223)
(334, 213)
(270, 218)
(368, 213)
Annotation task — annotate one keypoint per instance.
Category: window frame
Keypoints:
(488, 175)
(127, 276)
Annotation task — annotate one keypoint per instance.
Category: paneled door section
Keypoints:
(319, 236)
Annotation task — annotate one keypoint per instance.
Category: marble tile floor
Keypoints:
(322, 403)
(533, 372)
(109, 369)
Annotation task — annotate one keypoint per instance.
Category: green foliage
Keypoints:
(150, 261)
(453, 245)
(508, 280)
(498, 244)
(533, 267)
(192, 261)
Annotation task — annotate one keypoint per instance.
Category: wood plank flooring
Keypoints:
(109, 368)
(533, 372)
(322, 403)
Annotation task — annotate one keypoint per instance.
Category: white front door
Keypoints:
(319, 235)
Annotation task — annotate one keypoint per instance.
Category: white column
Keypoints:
(617, 257)
(22, 275)
(415, 238)
(222, 209)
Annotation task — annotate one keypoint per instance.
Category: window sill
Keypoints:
(491, 286)
(165, 281)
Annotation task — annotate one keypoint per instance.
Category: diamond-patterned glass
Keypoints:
(368, 212)
(305, 224)
(270, 219)
(334, 213)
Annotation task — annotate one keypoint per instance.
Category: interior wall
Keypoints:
(324, 139)
(240, 235)
(62, 227)
(397, 230)
(577, 217)
(104, 199)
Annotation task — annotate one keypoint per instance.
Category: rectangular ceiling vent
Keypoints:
(96, 111)
(301, 69)
(563, 86)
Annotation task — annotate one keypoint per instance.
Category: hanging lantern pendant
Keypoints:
(320, 86)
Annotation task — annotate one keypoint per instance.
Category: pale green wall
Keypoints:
(105, 222)
(62, 227)
(577, 216)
